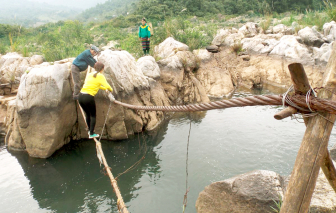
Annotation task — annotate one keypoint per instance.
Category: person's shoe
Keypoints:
(94, 136)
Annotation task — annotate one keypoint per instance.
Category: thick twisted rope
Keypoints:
(298, 101)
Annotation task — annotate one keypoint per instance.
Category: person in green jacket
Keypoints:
(144, 36)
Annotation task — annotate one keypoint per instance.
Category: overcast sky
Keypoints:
(83, 4)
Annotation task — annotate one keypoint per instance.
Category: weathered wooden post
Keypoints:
(301, 86)
(312, 151)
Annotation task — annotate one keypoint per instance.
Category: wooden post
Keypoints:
(312, 151)
(301, 86)
(328, 169)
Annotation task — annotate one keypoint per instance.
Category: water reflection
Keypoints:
(72, 180)
(223, 143)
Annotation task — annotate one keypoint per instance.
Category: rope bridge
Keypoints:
(300, 102)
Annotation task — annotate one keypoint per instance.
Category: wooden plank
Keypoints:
(312, 151)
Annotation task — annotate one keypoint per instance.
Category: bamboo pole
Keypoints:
(312, 151)
(100, 154)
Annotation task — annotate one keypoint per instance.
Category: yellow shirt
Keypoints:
(93, 84)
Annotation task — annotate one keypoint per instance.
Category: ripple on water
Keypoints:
(223, 143)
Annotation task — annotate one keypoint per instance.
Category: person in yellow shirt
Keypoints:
(93, 82)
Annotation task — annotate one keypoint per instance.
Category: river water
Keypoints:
(222, 144)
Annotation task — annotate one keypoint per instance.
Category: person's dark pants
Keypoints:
(87, 102)
(76, 79)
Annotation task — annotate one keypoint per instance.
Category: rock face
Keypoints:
(291, 48)
(280, 41)
(177, 77)
(13, 66)
(251, 192)
(169, 47)
(216, 80)
(257, 192)
(149, 67)
(329, 30)
(44, 116)
(36, 60)
(311, 37)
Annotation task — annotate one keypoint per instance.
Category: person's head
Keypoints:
(94, 50)
(99, 67)
(143, 21)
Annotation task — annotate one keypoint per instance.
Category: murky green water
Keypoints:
(223, 143)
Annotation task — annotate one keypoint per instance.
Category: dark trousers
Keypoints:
(76, 79)
(87, 102)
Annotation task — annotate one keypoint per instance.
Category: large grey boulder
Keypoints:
(12, 67)
(133, 87)
(36, 60)
(329, 30)
(249, 29)
(283, 29)
(260, 44)
(45, 113)
(257, 192)
(177, 73)
(291, 48)
(233, 39)
(120, 67)
(44, 116)
(253, 192)
(216, 81)
(323, 53)
(311, 37)
(220, 37)
(148, 67)
(169, 47)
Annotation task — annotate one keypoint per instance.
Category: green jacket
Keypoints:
(83, 60)
(144, 31)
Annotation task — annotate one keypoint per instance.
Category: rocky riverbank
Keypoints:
(43, 117)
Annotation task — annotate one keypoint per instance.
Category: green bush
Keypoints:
(314, 18)
(330, 10)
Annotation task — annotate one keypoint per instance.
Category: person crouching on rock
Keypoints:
(93, 82)
(144, 36)
(80, 64)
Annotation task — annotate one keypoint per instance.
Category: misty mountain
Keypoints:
(107, 10)
(29, 14)
(81, 4)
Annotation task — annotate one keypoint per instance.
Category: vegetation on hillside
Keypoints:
(65, 39)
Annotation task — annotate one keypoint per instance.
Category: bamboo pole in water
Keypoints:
(100, 154)
(312, 151)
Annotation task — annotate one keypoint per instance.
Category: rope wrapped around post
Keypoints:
(316, 104)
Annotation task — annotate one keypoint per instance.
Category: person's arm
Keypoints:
(103, 83)
(139, 33)
(90, 60)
